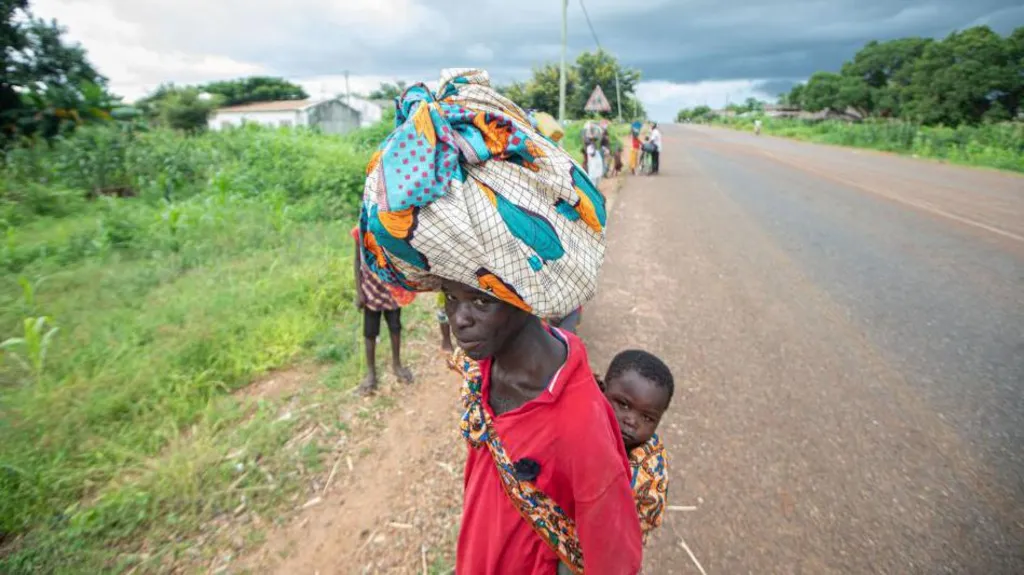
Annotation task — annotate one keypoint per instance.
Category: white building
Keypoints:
(369, 110)
(330, 116)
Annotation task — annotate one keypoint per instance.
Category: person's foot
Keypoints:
(368, 386)
(404, 375)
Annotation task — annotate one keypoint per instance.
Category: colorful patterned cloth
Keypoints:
(466, 189)
(544, 516)
(377, 296)
(650, 483)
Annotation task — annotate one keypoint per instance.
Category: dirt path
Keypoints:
(394, 505)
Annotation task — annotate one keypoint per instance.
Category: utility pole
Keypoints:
(618, 92)
(561, 75)
(348, 93)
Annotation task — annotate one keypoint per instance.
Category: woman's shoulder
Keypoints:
(586, 409)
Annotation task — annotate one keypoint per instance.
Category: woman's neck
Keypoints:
(530, 359)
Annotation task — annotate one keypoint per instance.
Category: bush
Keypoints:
(992, 145)
(231, 258)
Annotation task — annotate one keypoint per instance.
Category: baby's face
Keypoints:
(639, 404)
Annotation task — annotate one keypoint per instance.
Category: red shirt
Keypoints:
(636, 142)
(571, 431)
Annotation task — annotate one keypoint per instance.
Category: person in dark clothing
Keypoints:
(656, 151)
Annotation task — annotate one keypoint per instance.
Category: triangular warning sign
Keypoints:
(597, 102)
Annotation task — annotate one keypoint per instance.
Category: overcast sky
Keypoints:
(689, 51)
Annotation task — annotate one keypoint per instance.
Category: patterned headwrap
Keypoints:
(466, 189)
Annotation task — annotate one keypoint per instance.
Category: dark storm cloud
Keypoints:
(673, 41)
(693, 41)
(677, 41)
(774, 87)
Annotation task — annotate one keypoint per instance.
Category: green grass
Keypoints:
(118, 431)
(998, 146)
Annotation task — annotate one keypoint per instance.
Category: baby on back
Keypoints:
(639, 386)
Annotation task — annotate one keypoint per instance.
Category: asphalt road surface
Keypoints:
(847, 333)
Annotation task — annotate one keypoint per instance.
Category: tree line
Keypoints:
(971, 76)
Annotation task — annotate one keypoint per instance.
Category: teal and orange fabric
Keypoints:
(467, 189)
(649, 464)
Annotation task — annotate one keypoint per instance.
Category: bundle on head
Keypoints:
(468, 190)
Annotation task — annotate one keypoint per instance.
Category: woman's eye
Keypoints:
(480, 303)
(623, 404)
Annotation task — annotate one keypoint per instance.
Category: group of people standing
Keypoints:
(601, 158)
(466, 197)
(644, 144)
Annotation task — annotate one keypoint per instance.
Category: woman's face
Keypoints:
(481, 323)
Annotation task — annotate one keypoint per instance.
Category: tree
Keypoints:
(181, 108)
(821, 92)
(47, 86)
(542, 92)
(795, 96)
(12, 38)
(697, 114)
(633, 108)
(958, 80)
(885, 69)
(388, 91)
(856, 94)
(516, 91)
(1015, 51)
(254, 89)
(599, 69)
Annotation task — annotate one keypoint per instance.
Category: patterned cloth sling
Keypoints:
(649, 466)
(541, 513)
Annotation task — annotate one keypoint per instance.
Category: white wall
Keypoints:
(276, 118)
(333, 117)
(369, 112)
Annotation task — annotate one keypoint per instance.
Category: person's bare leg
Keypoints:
(369, 383)
(403, 373)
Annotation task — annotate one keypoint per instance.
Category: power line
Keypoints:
(590, 25)
(618, 92)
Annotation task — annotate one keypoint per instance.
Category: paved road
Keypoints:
(847, 330)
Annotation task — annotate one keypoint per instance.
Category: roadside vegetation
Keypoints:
(998, 146)
(146, 275)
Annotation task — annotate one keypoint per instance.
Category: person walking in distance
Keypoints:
(656, 150)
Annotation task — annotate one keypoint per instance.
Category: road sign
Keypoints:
(597, 102)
